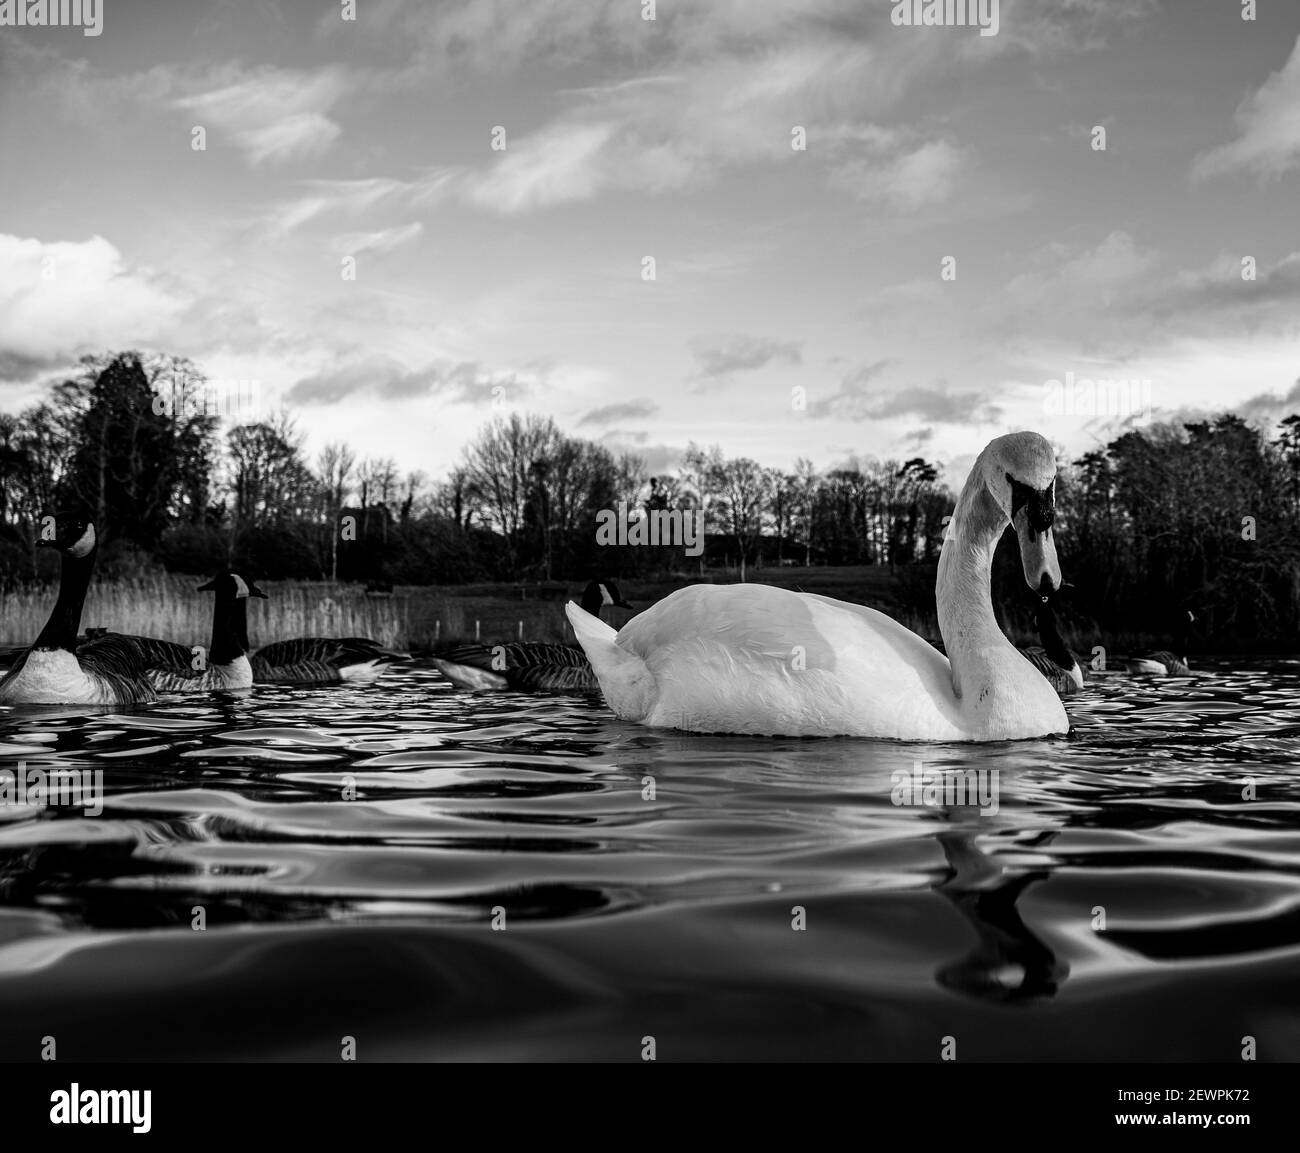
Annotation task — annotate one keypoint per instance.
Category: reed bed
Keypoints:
(169, 608)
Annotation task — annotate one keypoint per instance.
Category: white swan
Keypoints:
(755, 659)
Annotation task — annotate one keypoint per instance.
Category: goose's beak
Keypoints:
(1037, 555)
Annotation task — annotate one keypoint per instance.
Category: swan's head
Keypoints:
(1020, 474)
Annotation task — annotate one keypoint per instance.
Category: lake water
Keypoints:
(673, 917)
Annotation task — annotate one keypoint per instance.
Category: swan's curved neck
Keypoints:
(963, 591)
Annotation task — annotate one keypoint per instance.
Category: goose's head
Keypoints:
(1019, 471)
(232, 585)
(71, 532)
(600, 593)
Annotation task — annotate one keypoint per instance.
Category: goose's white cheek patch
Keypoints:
(84, 543)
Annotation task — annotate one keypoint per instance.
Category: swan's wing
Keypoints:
(753, 656)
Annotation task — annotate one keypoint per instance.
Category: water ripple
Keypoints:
(568, 882)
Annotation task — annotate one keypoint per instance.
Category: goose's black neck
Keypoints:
(228, 629)
(1053, 645)
(592, 599)
(60, 631)
(241, 624)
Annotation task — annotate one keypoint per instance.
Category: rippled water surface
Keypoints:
(353, 849)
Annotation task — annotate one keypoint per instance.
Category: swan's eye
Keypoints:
(1040, 506)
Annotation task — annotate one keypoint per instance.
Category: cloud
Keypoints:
(857, 400)
(459, 382)
(62, 298)
(1267, 408)
(1268, 130)
(623, 437)
(275, 115)
(907, 180)
(720, 357)
(384, 240)
(627, 410)
(852, 391)
(355, 198)
(717, 86)
(554, 167)
(18, 369)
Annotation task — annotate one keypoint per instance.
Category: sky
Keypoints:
(788, 227)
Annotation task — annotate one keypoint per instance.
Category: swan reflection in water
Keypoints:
(1009, 962)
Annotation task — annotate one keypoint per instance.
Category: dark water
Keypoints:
(669, 918)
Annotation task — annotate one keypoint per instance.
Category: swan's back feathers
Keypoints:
(627, 683)
(759, 659)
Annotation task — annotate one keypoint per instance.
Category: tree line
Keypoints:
(1201, 516)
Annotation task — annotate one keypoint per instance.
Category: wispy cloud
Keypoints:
(721, 357)
(905, 180)
(354, 198)
(627, 410)
(860, 398)
(1268, 130)
(275, 114)
(383, 240)
(463, 382)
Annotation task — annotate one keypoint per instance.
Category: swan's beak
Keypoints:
(1037, 555)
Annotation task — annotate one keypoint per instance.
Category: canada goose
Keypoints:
(1049, 657)
(1162, 662)
(316, 660)
(533, 666)
(756, 659)
(1053, 658)
(305, 661)
(57, 670)
(173, 668)
(322, 661)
